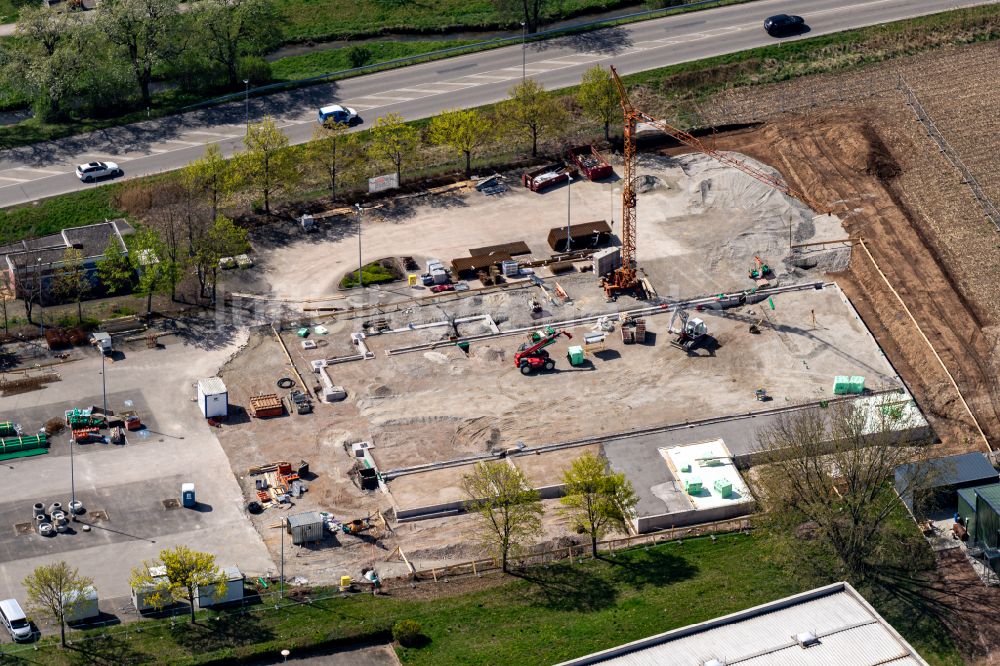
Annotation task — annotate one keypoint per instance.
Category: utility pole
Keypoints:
(361, 279)
(246, 82)
(569, 221)
(524, 47)
(41, 308)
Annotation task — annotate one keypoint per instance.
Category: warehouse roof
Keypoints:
(828, 625)
(963, 470)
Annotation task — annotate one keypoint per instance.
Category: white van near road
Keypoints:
(15, 620)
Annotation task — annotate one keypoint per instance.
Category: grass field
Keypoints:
(53, 215)
(334, 60)
(373, 273)
(550, 614)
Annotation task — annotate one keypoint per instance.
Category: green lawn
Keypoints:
(334, 60)
(373, 273)
(51, 216)
(552, 614)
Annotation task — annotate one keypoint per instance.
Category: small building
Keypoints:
(209, 596)
(213, 398)
(141, 596)
(305, 527)
(829, 625)
(84, 605)
(979, 509)
(927, 485)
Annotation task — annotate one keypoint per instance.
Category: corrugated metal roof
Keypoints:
(212, 386)
(848, 629)
(991, 494)
(307, 518)
(965, 469)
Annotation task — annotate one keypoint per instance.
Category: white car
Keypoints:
(338, 114)
(94, 170)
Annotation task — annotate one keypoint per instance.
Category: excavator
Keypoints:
(532, 356)
(690, 332)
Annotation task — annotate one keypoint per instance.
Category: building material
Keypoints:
(266, 405)
(587, 235)
(542, 178)
(590, 162)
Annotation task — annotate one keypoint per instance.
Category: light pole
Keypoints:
(281, 582)
(41, 306)
(361, 279)
(524, 47)
(569, 223)
(246, 82)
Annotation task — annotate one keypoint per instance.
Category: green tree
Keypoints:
(210, 176)
(527, 11)
(324, 152)
(266, 166)
(462, 130)
(187, 570)
(157, 270)
(55, 591)
(598, 98)
(43, 64)
(115, 269)
(597, 498)
(394, 140)
(145, 30)
(532, 112)
(510, 511)
(233, 29)
(71, 281)
(223, 239)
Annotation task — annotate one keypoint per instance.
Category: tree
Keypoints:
(324, 152)
(528, 11)
(55, 591)
(209, 175)
(157, 270)
(71, 281)
(234, 29)
(223, 239)
(531, 111)
(145, 30)
(41, 65)
(266, 165)
(27, 280)
(597, 498)
(509, 510)
(394, 140)
(115, 269)
(598, 97)
(825, 481)
(187, 570)
(462, 130)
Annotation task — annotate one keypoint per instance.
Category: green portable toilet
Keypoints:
(693, 485)
(723, 487)
(857, 385)
(575, 355)
(841, 385)
(303, 332)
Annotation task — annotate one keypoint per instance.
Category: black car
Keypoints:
(784, 24)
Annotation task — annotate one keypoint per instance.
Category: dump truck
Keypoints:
(590, 162)
(544, 177)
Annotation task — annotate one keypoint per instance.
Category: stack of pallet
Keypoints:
(81, 435)
(266, 405)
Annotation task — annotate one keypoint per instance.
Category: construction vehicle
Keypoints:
(532, 356)
(690, 332)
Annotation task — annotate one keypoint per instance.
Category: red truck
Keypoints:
(547, 176)
(590, 162)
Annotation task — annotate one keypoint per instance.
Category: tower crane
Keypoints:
(625, 278)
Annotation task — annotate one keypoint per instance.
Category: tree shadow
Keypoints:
(220, 632)
(106, 650)
(656, 567)
(568, 587)
(606, 41)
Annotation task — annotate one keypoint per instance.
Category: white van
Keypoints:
(15, 620)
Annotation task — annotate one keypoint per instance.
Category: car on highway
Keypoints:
(784, 24)
(92, 171)
(335, 113)
(439, 288)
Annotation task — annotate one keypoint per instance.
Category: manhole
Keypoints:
(172, 503)
(98, 515)
(22, 528)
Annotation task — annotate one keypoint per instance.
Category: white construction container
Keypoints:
(607, 260)
(509, 267)
(440, 276)
(213, 398)
(211, 596)
(305, 527)
(84, 606)
(141, 595)
(434, 264)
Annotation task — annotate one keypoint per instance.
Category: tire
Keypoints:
(525, 369)
(286, 383)
(550, 366)
(88, 179)
(119, 173)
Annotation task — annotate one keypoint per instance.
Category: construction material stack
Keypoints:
(590, 162)
(266, 405)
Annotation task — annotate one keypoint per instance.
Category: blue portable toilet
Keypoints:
(187, 495)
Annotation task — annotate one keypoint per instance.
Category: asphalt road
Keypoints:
(46, 169)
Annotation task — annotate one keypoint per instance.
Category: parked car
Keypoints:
(336, 113)
(91, 171)
(438, 288)
(784, 24)
(15, 621)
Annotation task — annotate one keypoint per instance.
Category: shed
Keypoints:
(84, 605)
(305, 527)
(141, 595)
(213, 398)
(210, 595)
(980, 510)
(588, 235)
(936, 480)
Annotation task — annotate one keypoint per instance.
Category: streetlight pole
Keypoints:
(361, 279)
(524, 47)
(246, 82)
(281, 582)
(569, 222)
(41, 306)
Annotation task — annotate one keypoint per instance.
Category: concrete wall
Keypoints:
(663, 521)
(433, 510)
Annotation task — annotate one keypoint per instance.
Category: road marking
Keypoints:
(386, 96)
(487, 76)
(49, 172)
(16, 180)
(185, 143)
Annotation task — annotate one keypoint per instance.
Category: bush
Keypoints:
(407, 633)
(255, 69)
(359, 56)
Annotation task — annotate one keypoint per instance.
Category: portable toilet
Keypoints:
(187, 495)
(81, 606)
(213, 398)
(232, 591)
(305, 527)
(141, 595)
